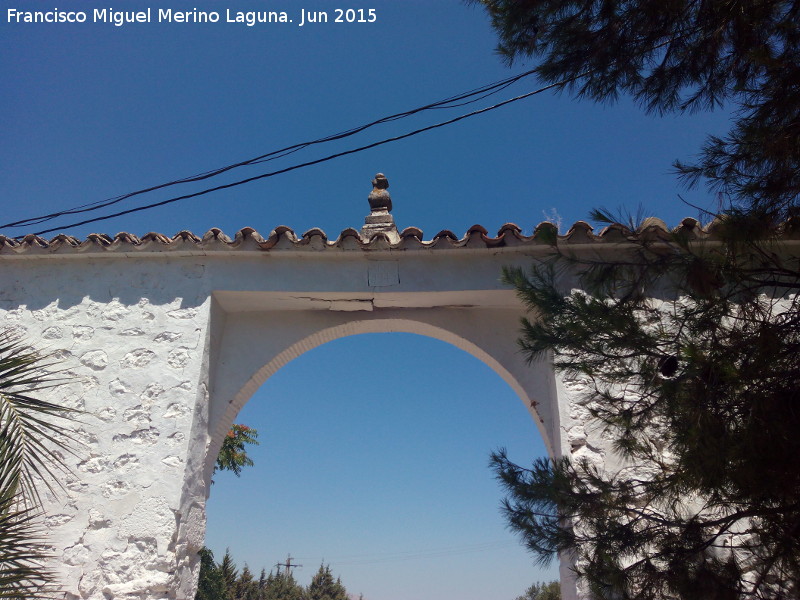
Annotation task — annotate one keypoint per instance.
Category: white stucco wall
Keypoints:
(133, 344)
(164, 346)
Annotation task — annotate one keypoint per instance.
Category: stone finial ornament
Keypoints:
(379, 220)
(379, 198)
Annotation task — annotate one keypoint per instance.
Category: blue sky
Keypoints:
(380, 467)
(380, 472)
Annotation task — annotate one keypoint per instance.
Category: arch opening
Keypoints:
(426, 413)
(533, 384)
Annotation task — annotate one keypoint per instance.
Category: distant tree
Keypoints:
(230, 574)
(233, 455)
(211, 584)
(224, 581)
(282, 587)
(246, 587)
(324, 587)
(542, 591)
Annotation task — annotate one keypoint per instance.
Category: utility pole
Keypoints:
(288, 564)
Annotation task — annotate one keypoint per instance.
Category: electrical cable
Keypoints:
(486, 91)
(324, 159)
(391, 557)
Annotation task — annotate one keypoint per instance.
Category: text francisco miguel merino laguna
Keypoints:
(168, 15)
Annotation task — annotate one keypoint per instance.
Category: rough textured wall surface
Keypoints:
(132, 343)
(163, 350)
(166, 338)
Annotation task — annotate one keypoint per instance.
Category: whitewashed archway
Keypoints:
(167, 338)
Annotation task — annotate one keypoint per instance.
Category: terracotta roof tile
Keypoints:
(411, 232)
(313, 239)
(378, 241)
(580, 233)
(216, 234)
(159, 238)
(283, 238)
(544, 231)
(349, 239)
(615, 232)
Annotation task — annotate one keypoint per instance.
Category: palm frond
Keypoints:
(33, 431)
(33, 435)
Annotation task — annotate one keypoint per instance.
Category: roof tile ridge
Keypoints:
(444, 239)
(62, 240)
(690, 229)
(508, 225)
(31, 240)
(247, 237)
(511, 229)
(284, 230)
(123, 237)
(8, 242)
(379, 241)
(122, 241)
(478, 235)
(446, 233)
(282, 236)
(615, 232)
(155, 237)
(479, 229)
(510, 234)
(580, 233)
(184, 235)
(411, 238)
(247, 233)
(546, 232)
(349, 239)
(653, 228)
(314, 239)
(98, 239)
(411, 232)
(216, 235)
(315, 231)
(653, 222)
(348, 232)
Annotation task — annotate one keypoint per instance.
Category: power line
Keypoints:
(475, 94)
(394, 557)
(486, 90)
(320, 160)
